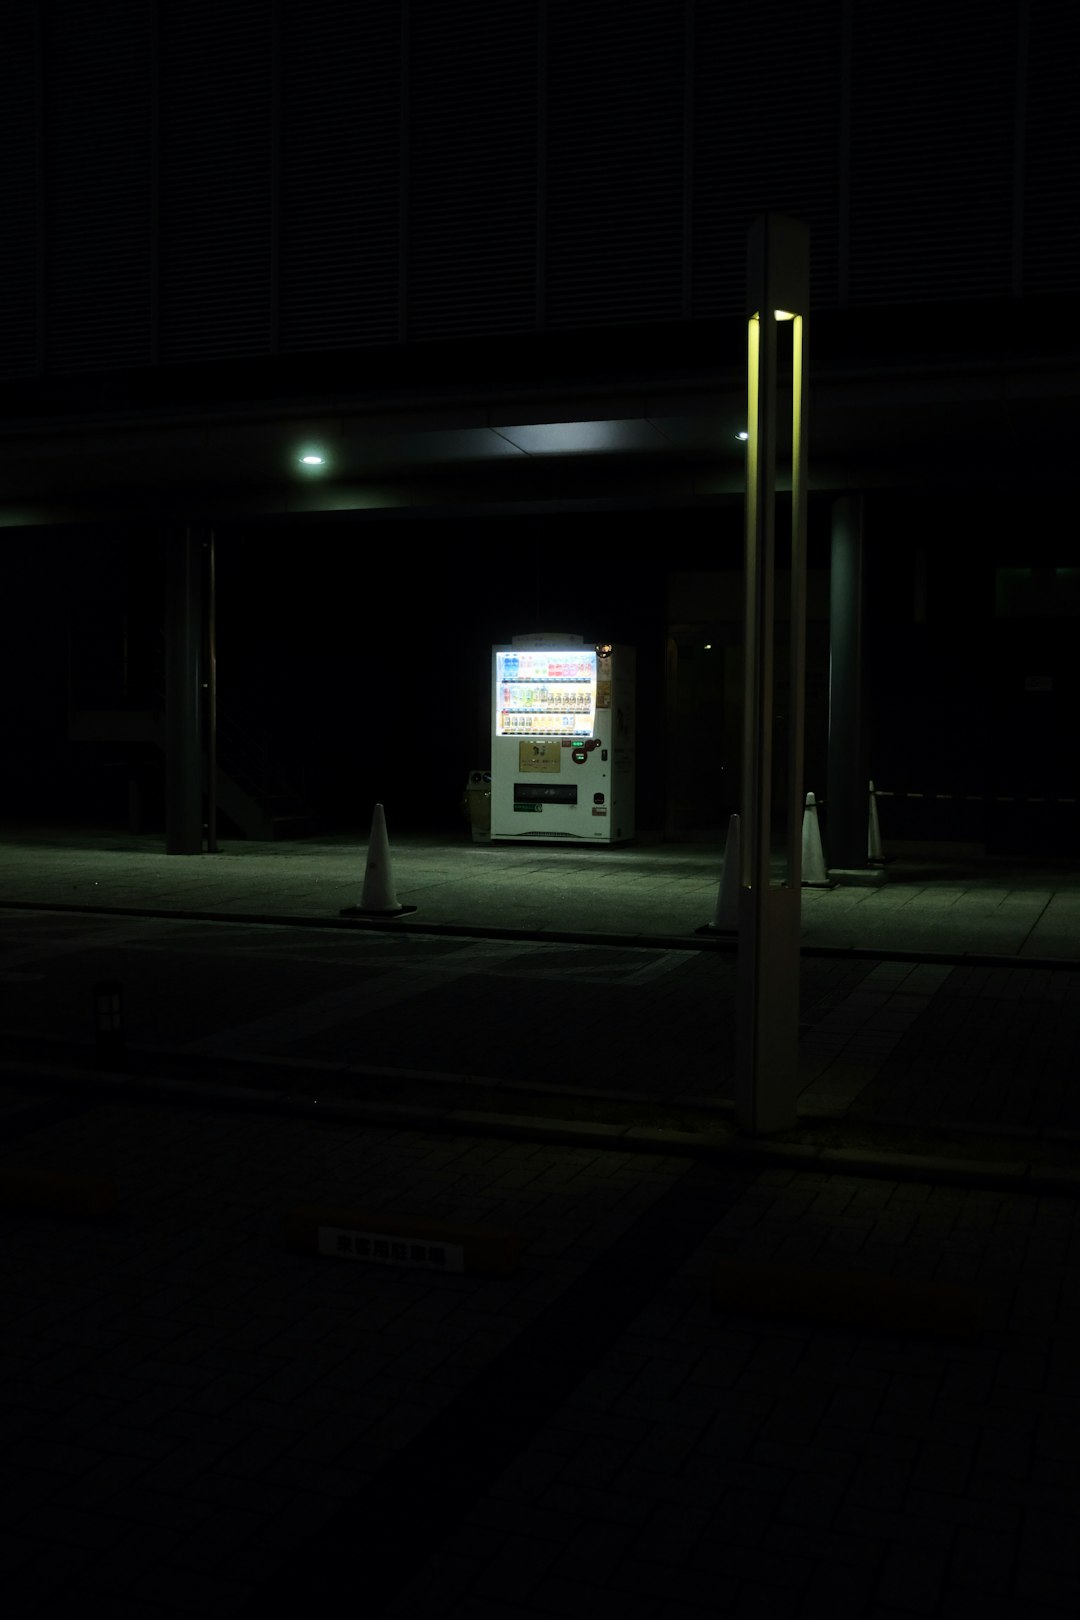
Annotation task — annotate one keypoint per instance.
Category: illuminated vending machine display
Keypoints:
(562, 750)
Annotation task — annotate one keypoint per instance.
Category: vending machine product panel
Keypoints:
(562, 764)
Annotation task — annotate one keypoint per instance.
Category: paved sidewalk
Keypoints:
(487, 1012)
(197, 1421)
(958, 906)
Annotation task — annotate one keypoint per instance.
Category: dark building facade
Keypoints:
(489, 261)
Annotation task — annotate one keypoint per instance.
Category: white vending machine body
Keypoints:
(562, 747)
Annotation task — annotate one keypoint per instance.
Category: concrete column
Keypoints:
(848, 771)
(767, 994)
(183, 692)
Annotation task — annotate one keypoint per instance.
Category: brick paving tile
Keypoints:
(837, 1592)
(833, 1454)
(23, 1491)
(16, 1552)
(696, 1611)
(664, 1450)
(44, 1398)
(1038, 1585)
(942, 1469)
(515, 1571)
(110, 1475)
(281, 1536)
(559, 1437)
(758, 1602)
(657, 1379)
(902, 1529)
(553, 1523)
(853, 1407)
(188, 1462)
(146, 1409)
(16, 1422)
(823, 1548)
(596, 1551)
(743, 1519)
(140, 1506)
(194, 1593)
(213, 1546)
(584, 1502)
(957, 1605)
(811, 1499)
(731, 1435)
(1049, 1539)
(150, 1444)
(795, 1423)
(37, 1588)
(982, 1559)
(116, 1569)
(533, 1471)
(912, 1578)
(326, 1441)
(439, 1583)
(475, 1607)
(51, 1456)
(672, 1533)
(573, 1600)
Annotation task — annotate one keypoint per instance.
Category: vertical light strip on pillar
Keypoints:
(797, 683)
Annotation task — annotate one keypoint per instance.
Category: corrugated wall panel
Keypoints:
(420, 169)
(932, 127)
(1051, 252)
(19, 191)
(767, 106)
(98, 180)
(216, 167)
(340, 106)
(471, 239)
(614, 161)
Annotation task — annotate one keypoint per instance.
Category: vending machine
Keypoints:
(562, 750)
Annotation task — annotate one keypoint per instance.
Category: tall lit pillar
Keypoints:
(847, 785)
(778, 266)
(183, 691)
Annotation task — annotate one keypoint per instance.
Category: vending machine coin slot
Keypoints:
(545, 793)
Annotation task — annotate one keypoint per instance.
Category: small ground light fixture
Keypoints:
(311, 459)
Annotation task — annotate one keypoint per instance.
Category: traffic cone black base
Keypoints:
(367, 911)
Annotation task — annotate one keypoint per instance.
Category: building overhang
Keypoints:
(630, 418)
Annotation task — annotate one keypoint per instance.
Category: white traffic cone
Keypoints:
(726, 914)
(873, 838)
(378, 898)
(814, 875)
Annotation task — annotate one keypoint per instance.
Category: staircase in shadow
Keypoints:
(116, 701)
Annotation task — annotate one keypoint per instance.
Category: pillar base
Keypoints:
(857, 877)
